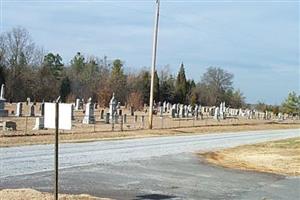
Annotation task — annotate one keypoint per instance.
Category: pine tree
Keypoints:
(118, 81)
(181, 86)
(291, 105)
(156, 92)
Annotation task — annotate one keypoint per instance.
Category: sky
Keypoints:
(257, 41)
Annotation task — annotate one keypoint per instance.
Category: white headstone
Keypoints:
(19, 109)
(2, 92)
(89, 117)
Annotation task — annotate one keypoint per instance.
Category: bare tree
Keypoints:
(217, 81)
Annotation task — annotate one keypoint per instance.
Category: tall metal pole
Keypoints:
(56, 150)
(153, 64)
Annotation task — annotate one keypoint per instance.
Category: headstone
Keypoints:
(168, 107)
(42, 106)
(142, 119)
(119, 105)
(28, 101)
(178, 110)
(39, 123)
(19, 109)
(173, 113)
(186, 111)
(72, 112)
(31, 111)
(102, 114)
(77, 104)
(196, 112)
(9, 126)
(182, 111)
(161, 110)
(135, 118)
(113, 107)
(131, 111)
(165, 107)
(81, 104)
(3, 112)
(2, 92)
(107, 118)
(89, 117)
(120, 112)
(125, 118)
(217, 113)
(116, 119)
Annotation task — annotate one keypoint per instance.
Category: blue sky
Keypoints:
(258, 41)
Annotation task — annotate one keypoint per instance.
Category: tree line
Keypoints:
(28, 71)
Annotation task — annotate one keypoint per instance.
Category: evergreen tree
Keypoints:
(77, 63)
(156, 92)
(167, 89)
(181, 88)
(144, 86)
(291, 105)
(118, 81)
(54, 63)
(65, 88)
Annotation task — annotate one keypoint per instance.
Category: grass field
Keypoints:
(281, 157)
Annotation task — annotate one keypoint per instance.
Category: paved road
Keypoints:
(150, 168)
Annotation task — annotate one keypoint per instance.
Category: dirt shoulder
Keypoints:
(9, 141)
(30, 194)
(280, 157)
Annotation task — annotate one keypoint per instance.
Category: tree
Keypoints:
(118, 81)
(291, 104)
(17, 58)
(65, 88)
(156, 93)
(77, 63)
(54, 62)
(135, 99)
(167, 88)
(181, 87)
(19, 47)
(234, 99)
(218, 82)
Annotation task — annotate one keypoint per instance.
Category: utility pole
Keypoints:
(153, 64)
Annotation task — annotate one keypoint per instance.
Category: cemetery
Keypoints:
(27, 118)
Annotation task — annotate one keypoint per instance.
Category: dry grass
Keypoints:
(93, 136)
(281, 157)
(30, 194)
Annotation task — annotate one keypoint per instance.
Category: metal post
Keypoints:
(56, 151)
(153, 64)
(121, 123)
(26, 121)
(113, 122)
(95, 126)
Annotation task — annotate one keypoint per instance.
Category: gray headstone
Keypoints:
(89, 117)
(19, 109)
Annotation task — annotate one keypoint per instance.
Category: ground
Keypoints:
(11, 140)
(30, 194)
(281, 157)
(148, 168)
